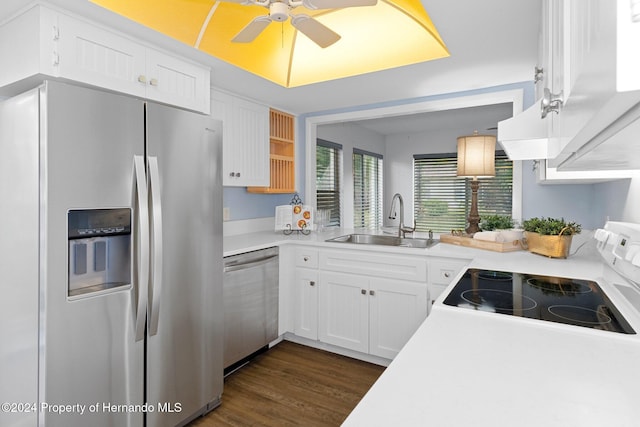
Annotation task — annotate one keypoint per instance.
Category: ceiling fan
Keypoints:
(280, 11)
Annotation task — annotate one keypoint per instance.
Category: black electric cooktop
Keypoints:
(556, 299)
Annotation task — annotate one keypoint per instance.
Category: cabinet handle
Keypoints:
(372, 293)
(306, 258)
(312, 283)
(446, 274)
(56, 33)
(363, 291)
(56, 59)
(142, 79)
(551, 102)
(153, 82)
(238, 174)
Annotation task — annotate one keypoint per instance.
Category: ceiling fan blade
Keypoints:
(336, 4)
(252, 30)
(317, 32)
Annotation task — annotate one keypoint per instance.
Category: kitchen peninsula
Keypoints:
(488, 371)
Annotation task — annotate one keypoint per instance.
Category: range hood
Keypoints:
(614, 147)
(525, 136)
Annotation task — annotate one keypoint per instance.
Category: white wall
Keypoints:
(398, 164)
(351, 136)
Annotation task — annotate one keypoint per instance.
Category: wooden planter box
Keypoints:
(556, 246)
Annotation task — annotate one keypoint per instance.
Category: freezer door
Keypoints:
(90, 357)
(184, 346)
(19, 251)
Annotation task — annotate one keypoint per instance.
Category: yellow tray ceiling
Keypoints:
(391, 34)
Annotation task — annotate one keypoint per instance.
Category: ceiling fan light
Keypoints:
(279, 12)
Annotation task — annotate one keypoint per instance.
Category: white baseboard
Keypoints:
(338, 350)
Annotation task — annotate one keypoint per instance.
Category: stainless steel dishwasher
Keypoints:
(250, 294)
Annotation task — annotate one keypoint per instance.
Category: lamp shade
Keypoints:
(476, 156)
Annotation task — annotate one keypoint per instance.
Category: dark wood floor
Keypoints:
(292, 385)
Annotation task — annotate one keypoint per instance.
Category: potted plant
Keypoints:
(496, 222)
(503, 224)
(550, 236)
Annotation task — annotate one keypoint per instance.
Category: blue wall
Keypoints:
(574, 202)
(245, 205)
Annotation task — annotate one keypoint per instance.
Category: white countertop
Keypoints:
(470, 368)
(584, 264)
(481, 369)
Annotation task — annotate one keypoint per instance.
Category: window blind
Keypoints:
(367, 189)
(442, 200)
(328, 178)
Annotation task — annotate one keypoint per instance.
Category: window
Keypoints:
(328, 176)
(367, 189)
(442, 200)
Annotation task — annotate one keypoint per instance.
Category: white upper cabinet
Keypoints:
(245, 140)
(174, 81)
(592, 80)
(58, 45)
(91, 55)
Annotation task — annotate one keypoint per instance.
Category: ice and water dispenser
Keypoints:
(99, 250)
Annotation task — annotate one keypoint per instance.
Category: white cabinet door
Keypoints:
(558, 68)
(306, 303)
(98, 57)
(173, 81)
(252, 139)
(246, 140)
(344, 310)
(397, 308)
(370, 315)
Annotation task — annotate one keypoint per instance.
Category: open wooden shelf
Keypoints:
(282, 154)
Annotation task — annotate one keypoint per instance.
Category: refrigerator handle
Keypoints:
(155, 291)
(141, 246)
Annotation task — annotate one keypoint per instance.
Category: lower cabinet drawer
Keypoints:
(442, 272)
(306, 257)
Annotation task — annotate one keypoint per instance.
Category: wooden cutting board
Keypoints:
(481, 244)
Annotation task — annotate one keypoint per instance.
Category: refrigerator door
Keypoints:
(19, 186)
(184, 346)
(91, 358)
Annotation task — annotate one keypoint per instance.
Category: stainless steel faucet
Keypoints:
(402, 229)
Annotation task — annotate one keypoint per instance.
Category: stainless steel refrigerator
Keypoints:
(111, 249)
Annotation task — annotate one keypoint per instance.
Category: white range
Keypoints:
(551, 343)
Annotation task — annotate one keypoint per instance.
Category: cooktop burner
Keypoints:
(556, 299)
(495, 299)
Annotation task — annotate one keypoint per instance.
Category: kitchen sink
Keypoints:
(376, 239)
